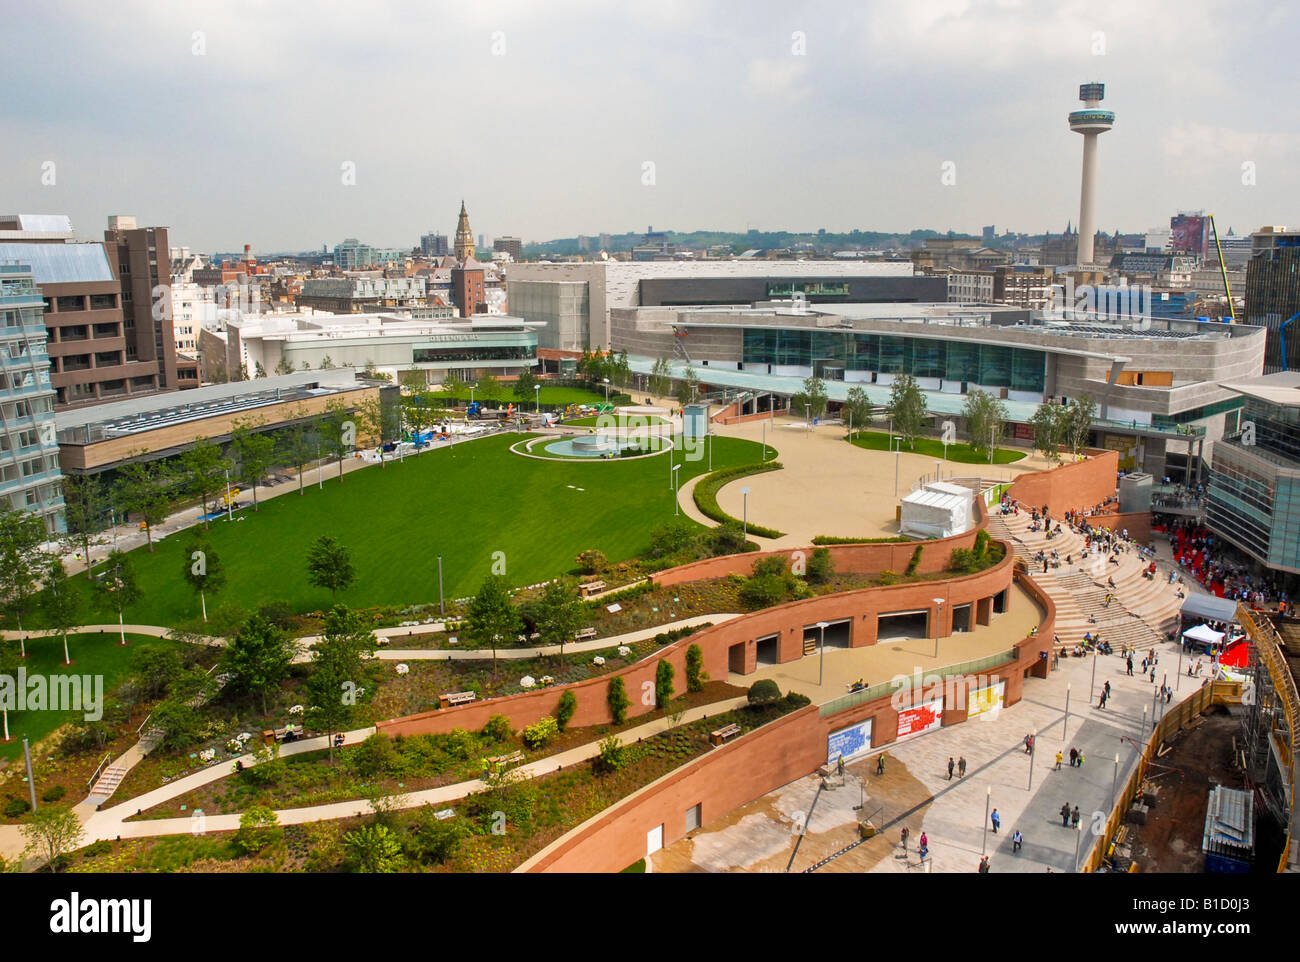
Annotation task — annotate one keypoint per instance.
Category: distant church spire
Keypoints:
(464, 247)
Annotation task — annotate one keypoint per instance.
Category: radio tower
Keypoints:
(1090, 122)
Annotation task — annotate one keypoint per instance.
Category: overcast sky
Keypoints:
(231, 122)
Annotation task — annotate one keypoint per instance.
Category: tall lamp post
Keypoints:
(676, 506)
(606, 390)
(807, 411)
(987, 799)
(821, 650)
(537, 396)
(765, 440)
(744, 514)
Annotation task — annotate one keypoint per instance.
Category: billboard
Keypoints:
(849, 742)
(986, 699)
(924, 717)
(1190, 232)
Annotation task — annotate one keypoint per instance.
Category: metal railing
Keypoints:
(94, 777)
(864, 695)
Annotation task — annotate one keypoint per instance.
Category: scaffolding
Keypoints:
(1269, 727)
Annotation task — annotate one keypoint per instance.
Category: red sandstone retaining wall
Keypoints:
(1069, 487)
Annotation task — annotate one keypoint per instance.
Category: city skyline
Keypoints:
(544, 118)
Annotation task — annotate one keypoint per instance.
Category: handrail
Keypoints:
(91, 782)
(1268, 646)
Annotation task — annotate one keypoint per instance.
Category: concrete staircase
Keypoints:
(1142, 611)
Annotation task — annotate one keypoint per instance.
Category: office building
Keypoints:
(433, 244)
(144, 272)
(360, 295)
(510, 245)
(1273, 294)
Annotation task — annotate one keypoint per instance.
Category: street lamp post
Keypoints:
(1033, 750)
(987, 799)
(442, 607)
(676, 507)
(764, 440)
(1114, 779)
(744, 514)
(606, 390)
(821, 651)
(537, 396)
(1065, 730)
(938, 625)
(1092, 684)
(807, 413)
(898, 456)
(230, 511)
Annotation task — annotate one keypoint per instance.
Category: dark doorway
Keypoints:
(768, 650)
(961, 617)
(903, 624)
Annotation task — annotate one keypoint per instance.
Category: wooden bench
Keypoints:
(722, 734)
(499, 761)
(591, 588)
(584, 634)
(270, 735)
(451, 699)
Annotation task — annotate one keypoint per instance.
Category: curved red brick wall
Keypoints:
(1069, 487)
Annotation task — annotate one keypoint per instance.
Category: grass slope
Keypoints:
(464, 503)
(960, 452)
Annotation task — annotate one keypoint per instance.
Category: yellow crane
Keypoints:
(1223, 269)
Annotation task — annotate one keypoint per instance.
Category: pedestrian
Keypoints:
(1065, 815)
(996, 819)
(1080, 762)
(1074, 756)
(1106, 688)
(1074, 817)
(961, 767)
(984, 865)
(951, 766)
(1059, 756)
(880, 764)
(905, 833)
(1130, 666)
(1153, 674)
(1102, 702)
(1029, 744)
(840, 765)
(1016, 841)
(925, 842)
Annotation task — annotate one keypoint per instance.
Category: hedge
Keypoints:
(706, 495)
(824, 539)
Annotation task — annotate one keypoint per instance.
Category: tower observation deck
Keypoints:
(1090, 122)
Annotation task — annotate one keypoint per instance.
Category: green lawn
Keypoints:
(91, 655)
(615, 420)
(464, 502)
(958, 451)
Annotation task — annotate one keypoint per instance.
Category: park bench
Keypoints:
(451, 699)
(286, 734)
(583, 634)
(723, 734)
(499, 761)
(591, 588)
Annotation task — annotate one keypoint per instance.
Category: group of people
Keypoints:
(1199, 553)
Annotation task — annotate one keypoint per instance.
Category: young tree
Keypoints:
(381, 420)
(259, 371)
(284, 367)
(374, 848)
(620, 369)
(689, 388)
(203, 470)
(298, 445)
(454, 388)
(203, 571)
(616, 696)
(327, 363)
(85, 510)
(695, 674)
(334, 686)
(492, 618)
(559, 615)
(338, 429)
(661, 377)
(258, 658)
(664, 673)
(61, 603)
(488, 388)
(524, 385)
(329, 565)
(986, 418)
(117, 582)
(1049, 423)
(906, 407)
(52, 832)
(858, 408)
(812, 398)
(253, 450)
(143, 488)
(1078, 424)
(22, 561)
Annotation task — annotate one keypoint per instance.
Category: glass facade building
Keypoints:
(1254, 493)
(30, 478)
(986, 365)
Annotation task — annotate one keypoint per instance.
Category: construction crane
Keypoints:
(1223, 270)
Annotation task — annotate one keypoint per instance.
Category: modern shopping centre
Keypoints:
(1157, 381)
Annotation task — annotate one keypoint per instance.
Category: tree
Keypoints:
(616, 696)
(858, 408)
(1049, 423)
(1078, 424)
(327, 363)
(381, 420)
(258, 829)
(695, 673)
(524, 384)
(661, 377)
(488, 388)
(259, 371)
(61, 603)
(203, 570)
(454, 387)
(334, 685)
(812, 398)
(689, 388)
(906, 407)
(559, 615)
(986, 417)
(85, 510)
(374, 848)
(620, 369)
(763, 692)
(143, 488)
(821, 567)
(21, 559)
(491, 615)
(258, 658)
(52, 832)
(254, 451)
(564, 710)
(284, 367)
(118, 584)
(664, 673)
(329, 565)
(203, 469)
(338, 432)
(297, 445)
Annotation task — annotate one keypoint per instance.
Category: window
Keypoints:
(70, 303)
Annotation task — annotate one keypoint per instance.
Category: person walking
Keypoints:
(905, 833)
(1074, 756)
(961, 767)
(925, 841)
(1080, 762)
(951, 766)
(1016, 841)
(880, 764)
(1059, 756)
(1130, 666)
(996, 819)
(984, 865)
(1065, 815)
(1102, 702)
(1074, 817)
(840, 765)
